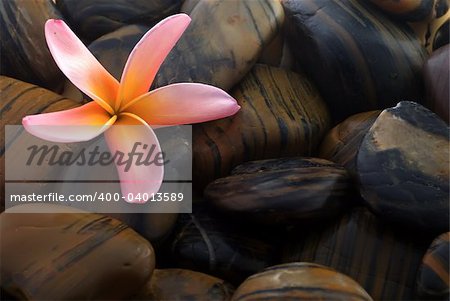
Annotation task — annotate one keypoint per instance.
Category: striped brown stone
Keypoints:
(300, 281)
(71, 256)
(342, 142)
(367, 61)
(19, 99)
(433, 277)
(281, 115)
(382, 259)
(180, 284)
(222, 42)
(403, 167)
(23, 49)
(282, 190)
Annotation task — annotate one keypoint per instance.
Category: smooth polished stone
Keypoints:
(222, 43)
(23, 49)
(180, 284)
(433, 276)
(92, 19)
(403, 167)
(300, 281)
(382, 259)
(72, 256)
(281, 114)
(358, 58)
(342, 142)
(282, 190)
(436, 75)
(19, 99)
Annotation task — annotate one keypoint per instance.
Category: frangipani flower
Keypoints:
(127, 102)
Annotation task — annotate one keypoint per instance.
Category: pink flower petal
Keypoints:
(74, 125)
(138, 180)
(79, 65)
(183, 103)
(148, 55)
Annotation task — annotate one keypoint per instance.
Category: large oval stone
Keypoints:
(222, 42)
(382, 259)
(92, 19)
(436, 74)
(24, 52)
(403, 167)
(367, 62)
(281, 115)
(342, 142)
(72, 256)
(433, 276)
(19, 99)
(282, 190)
(300, 281)
(180, 284)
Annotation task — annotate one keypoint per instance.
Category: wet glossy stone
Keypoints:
(72, 256)
(281, 115)
(383, 260)
(19, 99)
(24, 52)
(300, 281)
(404, 173)
(180, 284)
(282, 190)
(342, 142)
(406, 10)
(207, 243)
(433, 276)
(367, 62)
(436, 75)
(93, 19)
(222, 42)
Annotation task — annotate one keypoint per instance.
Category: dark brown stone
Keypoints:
(71, 256)
(222, 42)
(282, 190)
(358, 58)
(179, 284)
(342, 142)
(383, 261)
(213, 245)
(281, 115)
(23, 49)
(92, 19)
(300, 281)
